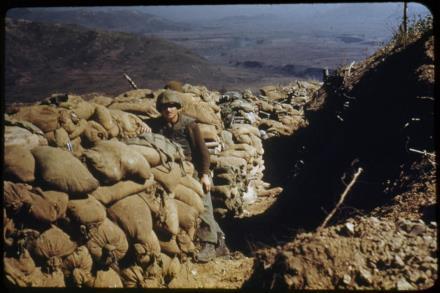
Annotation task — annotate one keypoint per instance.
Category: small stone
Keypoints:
(364, 277)
(402, 284)
(350, 228)
(398, 261)
(346, 279)
(433, 224)
(418, 229)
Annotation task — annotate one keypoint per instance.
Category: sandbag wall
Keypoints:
(90, 200)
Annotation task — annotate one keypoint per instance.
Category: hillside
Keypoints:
(46, 58)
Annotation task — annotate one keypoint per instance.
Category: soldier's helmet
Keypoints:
(166, 98)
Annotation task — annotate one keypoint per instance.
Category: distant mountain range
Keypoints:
(133, 21)
(41, 59)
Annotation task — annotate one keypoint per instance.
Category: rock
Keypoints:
(347, 229)
(398, 261)
(402, 284)
(346, 279)
(364, 277)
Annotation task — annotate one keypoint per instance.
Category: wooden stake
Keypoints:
(341, 199)
(130, 81)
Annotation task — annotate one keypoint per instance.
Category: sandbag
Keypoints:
(102, 116)
(63, 171)
(53, 279)
(236, 153)
(203, 113)
(187, 216)
(168, 177)
(79, 129)
(188, 167)
(107, 242)
(94, 132)
(22, 271)
(209, 132)
(15, 196)
(228, 161)
(8, 230)
(137, 106)
(185, 242)
(169, 245)
(110, 194)
(129, 124)
(79, 260)
(133, 215)
(52, 245)
(19, 164)
(164, 211)
(18, 136)
(189, 197)
(150, 154)
(86, 211)
(83, 109)
(145, 252)
(107, 279)
(43, 116)
(193, 184)
(47, 206)
(133, 277)
(101, 100)
(170, 266)
(239, 129)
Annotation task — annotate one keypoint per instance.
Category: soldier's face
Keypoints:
(170, 113)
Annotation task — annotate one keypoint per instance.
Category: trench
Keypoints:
(315, 164)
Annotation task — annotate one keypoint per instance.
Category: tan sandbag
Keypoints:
(78, 129)
(82, 108)
(257, 144)
(18, 136)
(137, 106)
(110, 194)
(107, 279)
(168, 177)
(224, 191)
(187, 216)
(244, 147)
(133, 215)
(185, 242)
(52, 245)
(103, 117)
(19, 164)
(9, 230)
(224, 179)
(77, 149)
(145, 252)
(189, 197)
(22, 271)
(129, 124)
(169, 246)
(170, 266)
(61, 138)
(101, 100)
(239, 129)
(86, 211)
(209, 132)
(188, 167)
(202, 112)
(63, 171)
(134, 95)
(107, 242)
(94, 132)
(229, 161)
(193, 184)
(81, 260)
(243, 138)
(238, 154)
(164, 211)
(47, 206)
(15, 195)
(150, 154)
(43, 116)
(133, 277)
(113, 161)
(53, 279)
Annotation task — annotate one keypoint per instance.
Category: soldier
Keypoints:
(184, 130)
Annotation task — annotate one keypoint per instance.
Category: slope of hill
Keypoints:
(45, 58)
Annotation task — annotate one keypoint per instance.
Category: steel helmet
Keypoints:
(168, 97)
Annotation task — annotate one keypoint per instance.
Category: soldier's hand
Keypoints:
(206, 183)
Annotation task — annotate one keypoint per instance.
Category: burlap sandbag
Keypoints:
(48, 206)
(22, 271)
(237, 154)
(110, 194)
(83, 109)
(185, 242)
(53, 279)
(224, 179)
(94, 132)
(15, 196)
(145, 252)
(107, 279)
(79, 260)
(129, 124)
(101, 100)
(133, 215)
(52, 245)
(107, 242)
(169, 245)
(244, 147)
(86, 211)
(243, 138)
(209, 132)
(188, 167)
(238, 129)
(168, 177)
(170, 266)
(102, 116)
(189, 196)
(228, 161)
(8, 230)
(150, 154)
(19, 164)
(63, 171)
(139, 106)
(203, 113)
(192, 183)
(79, 129)
(133, 277)
(18, 136)
(222, 191)
(43, 116)
(113, 161)
(164, 211)
(187, 216)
